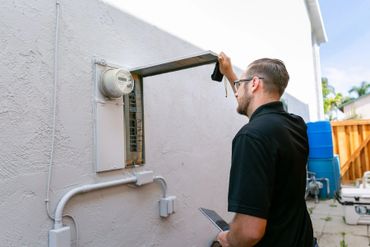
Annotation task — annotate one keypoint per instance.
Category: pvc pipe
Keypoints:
(55, 85)
(83, 189)
(163, 184)
(327, 184)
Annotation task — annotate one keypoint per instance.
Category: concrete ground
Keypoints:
(330, 228)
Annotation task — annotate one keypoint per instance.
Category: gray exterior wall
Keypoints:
(296, 106)
(189, 126)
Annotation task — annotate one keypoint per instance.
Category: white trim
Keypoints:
(317, 23)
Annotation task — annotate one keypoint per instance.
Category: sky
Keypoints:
(345, 58)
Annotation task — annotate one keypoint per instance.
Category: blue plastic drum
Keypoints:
(320, 140)
(326, 168)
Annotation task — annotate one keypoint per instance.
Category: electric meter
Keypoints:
(116, 82)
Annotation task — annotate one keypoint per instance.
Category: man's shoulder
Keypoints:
(272, 124)
(252, 131)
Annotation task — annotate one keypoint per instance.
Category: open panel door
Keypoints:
(134, 105)
(176, 64)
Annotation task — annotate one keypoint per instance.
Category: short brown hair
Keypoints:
(273, 71)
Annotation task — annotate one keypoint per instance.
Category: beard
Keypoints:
(243, 105)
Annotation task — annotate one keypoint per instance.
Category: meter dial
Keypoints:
(116, 83)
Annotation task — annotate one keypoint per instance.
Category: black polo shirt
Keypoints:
(268, 175)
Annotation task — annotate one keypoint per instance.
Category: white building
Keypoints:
(358, 108)
(59, 135)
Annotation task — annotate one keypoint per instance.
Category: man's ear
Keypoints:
(255, 84)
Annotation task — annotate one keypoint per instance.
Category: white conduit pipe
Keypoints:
(163, 184)
(55, 85)
(83, 189)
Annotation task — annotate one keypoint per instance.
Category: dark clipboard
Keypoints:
(216, 219)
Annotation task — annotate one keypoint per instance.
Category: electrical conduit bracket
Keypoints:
(166, 203)
(144, 177)
(167, 206)
(60, 237)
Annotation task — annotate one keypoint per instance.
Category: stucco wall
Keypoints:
(188, 122)
(189, 126)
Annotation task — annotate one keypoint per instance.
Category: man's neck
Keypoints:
(259, 101)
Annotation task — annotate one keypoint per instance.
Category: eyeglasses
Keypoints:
(238, 82)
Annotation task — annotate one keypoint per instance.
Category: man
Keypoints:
(268, 170)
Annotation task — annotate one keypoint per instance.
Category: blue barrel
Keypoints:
(320, 140)
(326, 168)
(336, 165)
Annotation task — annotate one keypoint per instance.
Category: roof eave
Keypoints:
(317, 23)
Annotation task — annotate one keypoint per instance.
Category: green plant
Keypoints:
(361, 90)
(327, 218)
(310, 210)
(343, 243)
(332, 100)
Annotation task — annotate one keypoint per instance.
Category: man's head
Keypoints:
(264, 80)
(275, 76)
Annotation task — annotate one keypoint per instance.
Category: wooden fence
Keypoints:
(351, 141)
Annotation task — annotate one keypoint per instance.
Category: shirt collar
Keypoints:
(275, 106)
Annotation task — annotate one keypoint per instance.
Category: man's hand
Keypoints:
(225, 64)
(226, 68)
(245, 230)
(222, 238)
